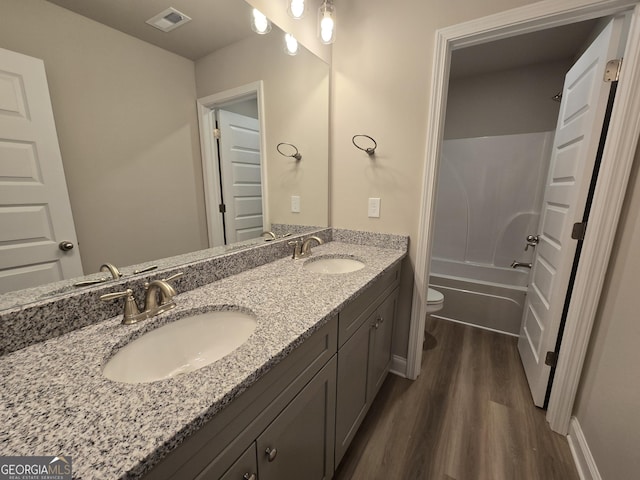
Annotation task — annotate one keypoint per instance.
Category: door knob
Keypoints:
(532, 241)
(65, 246)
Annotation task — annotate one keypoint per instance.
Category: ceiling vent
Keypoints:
(168, 20)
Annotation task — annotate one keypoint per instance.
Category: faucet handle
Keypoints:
(297, 245)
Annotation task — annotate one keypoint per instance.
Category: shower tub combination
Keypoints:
(490, 191)
(480, 295)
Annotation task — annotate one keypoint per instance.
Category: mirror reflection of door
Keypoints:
(37, 233)
(240, 171)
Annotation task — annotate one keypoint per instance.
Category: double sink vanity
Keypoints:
(264, 372)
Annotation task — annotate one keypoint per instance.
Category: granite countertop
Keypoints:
(58, 403)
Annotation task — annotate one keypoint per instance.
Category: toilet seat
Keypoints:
(435, 301)
(434, 296)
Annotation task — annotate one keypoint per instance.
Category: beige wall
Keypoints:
(381, 77)
(127, 126)
(506, 102)
(609, 392)
(296, 93)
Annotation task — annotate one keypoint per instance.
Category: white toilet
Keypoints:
(435, 301)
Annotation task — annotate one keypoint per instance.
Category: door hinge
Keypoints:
(216, 133)
(223, 208)
(612, 71)
(551, 359)
(578, 230)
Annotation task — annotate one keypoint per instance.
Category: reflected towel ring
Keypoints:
(295, 155)
(370, 150)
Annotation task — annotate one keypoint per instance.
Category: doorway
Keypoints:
(234, 164)
(616, 163)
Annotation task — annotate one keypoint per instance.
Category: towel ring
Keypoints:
(370, 150)
(295, 155)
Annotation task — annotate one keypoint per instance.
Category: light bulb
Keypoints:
(326, 22)
(260, 23)
(296, 8)
(291, 44)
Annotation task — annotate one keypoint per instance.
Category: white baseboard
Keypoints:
(399, 366)
(585, 463)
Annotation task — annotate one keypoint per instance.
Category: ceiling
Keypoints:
(215, 23)
(558, 43)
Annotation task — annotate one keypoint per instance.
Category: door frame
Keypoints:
(617, 159)
(209, 149)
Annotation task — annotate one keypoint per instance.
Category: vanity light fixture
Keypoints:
(327, 22)
(291, 46)
(295, 8)
(260, 23)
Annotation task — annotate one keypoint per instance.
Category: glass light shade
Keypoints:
(291, 46)
(295, 8)
(327, 22)
(260, 23)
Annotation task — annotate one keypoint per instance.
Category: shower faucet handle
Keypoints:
(532, 241)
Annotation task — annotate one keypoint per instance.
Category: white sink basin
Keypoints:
(331, 265)
(181, 346)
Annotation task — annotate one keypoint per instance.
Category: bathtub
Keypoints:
(481, 295)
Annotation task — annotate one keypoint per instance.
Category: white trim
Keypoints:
(210, 174)
(585, 463)
(616, 163)
(398, 366)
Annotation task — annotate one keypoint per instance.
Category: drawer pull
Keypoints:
(246, 476)
(271, 453)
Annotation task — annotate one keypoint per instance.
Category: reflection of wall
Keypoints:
(506, 102)
(128, 133)
(295, 93)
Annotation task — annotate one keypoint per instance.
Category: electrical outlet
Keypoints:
(374, 208)
(295, 203)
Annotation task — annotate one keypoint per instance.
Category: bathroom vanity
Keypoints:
(285, 404)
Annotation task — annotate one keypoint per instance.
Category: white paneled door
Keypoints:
(584, 100)
(241, 176)
(35, 214)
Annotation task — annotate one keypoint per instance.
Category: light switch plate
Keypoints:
(374, 208)
(295, 203)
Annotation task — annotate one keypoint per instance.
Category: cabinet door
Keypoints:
(352, 398)
(299, 442)
(380, 356)
(245, 468)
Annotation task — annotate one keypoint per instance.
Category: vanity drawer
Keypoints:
(356, 312)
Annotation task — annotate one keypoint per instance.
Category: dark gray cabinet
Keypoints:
(363, 364)
(299, 442)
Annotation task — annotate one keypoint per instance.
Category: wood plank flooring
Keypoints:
(468, 416)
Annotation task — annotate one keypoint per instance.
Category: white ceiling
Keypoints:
(558, 43)
(215, 23)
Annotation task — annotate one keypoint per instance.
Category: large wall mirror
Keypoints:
(124, 97)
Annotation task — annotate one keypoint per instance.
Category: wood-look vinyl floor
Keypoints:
(468, 416)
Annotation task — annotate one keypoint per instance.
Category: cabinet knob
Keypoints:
(271, 453)
(246, 476)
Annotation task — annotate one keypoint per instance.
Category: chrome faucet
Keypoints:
(269, 234)
(158, 299)
(516, 264)
(303, 249)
